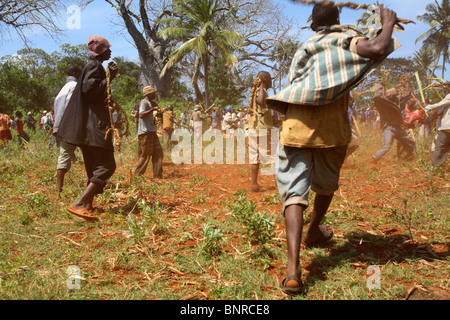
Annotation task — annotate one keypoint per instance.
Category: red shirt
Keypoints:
(411, 117)
(19, 126)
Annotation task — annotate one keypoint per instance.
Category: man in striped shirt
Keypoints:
(316, 131)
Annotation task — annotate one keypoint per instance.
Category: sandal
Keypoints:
(83, 213)
(292, 291)
(325, 236)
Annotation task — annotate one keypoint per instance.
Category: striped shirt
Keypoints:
(322, 74)
(326, 68)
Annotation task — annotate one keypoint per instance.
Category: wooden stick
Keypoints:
(131, 142)
(48, 134)
(442, 98)
(419, 103)
(420, 86)
(351, 5)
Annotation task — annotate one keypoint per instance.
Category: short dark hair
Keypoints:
(73, 69)
(19, 114)
(324, 16)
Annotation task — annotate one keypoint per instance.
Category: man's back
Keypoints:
(62, 99)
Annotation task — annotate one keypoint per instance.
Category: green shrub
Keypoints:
(212, 239)
(258, 225)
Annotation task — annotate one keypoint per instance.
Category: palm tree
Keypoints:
(437, 38)
(200, 24)
(283, 53)
(424, 60)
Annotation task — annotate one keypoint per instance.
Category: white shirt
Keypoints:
(445, 103)
(62, 99)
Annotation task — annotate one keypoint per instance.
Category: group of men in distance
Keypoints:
(314, 136)
(149, 146)
(6, 123)
(45, 122)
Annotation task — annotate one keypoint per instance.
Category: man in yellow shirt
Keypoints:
(168, 121)
(260, 125)
(316, 130)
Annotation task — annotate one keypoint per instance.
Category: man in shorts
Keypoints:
(260, 126)
(316, 130)
(66, 150)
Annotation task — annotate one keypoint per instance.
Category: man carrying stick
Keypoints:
(149, 147)
(316, 130)
(86, 123)
(392, 124)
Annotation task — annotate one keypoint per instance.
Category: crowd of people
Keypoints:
(315, 121)
(17, 125)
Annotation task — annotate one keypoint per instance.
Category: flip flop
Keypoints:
(325, 236)
(292, 291)
(83, 213)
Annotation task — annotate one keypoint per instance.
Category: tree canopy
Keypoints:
(31, 79)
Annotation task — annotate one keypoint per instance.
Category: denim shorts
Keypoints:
(299, 170)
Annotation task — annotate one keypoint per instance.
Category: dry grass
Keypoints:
(151, 240)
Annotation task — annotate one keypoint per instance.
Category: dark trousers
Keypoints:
(99, 163)
(23, 136)
(149, 147)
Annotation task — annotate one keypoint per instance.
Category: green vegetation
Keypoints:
(199, 233)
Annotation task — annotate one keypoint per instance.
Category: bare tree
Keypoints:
(25, 16)
(264, 26)
(261, 22)
(141, 21)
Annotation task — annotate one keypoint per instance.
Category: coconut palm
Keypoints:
(437, 38)
(283, 54)
(425, 61)
(200, 25)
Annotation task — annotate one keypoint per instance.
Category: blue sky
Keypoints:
(100, 18)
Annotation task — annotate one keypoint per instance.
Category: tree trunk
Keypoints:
(437, 61)
(195, 77)
(150, 47)
(149, 76)
(206, 66)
